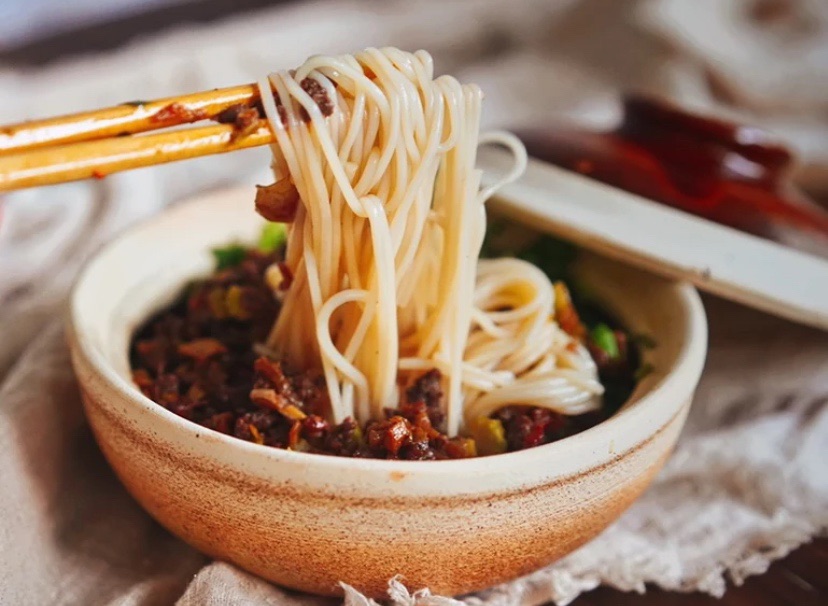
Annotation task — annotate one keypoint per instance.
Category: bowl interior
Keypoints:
(146, 268)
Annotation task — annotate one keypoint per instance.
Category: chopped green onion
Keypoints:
(274, 236)
(604, 338)
(229, 256)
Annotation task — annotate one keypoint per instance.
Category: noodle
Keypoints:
(384, 249)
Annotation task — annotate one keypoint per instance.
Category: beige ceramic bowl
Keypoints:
(308, 521)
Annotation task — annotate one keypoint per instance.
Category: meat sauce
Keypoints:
(199, 360)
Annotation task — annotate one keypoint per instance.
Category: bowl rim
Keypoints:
(686, 369)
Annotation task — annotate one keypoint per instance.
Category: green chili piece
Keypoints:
(604, 338)
(489, 436)
(274, 236)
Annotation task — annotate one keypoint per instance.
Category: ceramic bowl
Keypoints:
(309, 521)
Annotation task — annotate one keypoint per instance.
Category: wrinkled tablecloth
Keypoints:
(748, 481)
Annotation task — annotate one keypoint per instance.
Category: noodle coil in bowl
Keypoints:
(371, 328)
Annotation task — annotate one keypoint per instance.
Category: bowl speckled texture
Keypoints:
(308, 521)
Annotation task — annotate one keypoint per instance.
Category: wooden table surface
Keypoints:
(801, 579)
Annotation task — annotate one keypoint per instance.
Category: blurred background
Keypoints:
(762, 61)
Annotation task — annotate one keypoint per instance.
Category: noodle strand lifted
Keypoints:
(384, 247)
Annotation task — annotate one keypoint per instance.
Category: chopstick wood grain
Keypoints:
(98, 143)
(125, 119)
(99, 158)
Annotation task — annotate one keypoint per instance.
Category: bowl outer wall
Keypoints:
(202, 484)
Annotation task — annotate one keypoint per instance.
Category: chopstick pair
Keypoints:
(98, 143)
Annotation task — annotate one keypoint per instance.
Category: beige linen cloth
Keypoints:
(748, 482)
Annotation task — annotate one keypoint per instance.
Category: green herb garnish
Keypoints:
(229, 256)
(604, 338)
(274, 236)
(553, 256)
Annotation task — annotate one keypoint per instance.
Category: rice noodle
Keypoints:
(384, 248)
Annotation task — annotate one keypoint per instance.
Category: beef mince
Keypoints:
(197, 359)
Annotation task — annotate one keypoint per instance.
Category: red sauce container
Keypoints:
(732, 174)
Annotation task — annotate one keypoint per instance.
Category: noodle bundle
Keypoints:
(384, 246)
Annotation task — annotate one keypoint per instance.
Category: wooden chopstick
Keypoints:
(98, 143)
(125, 119)
(99, 158)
